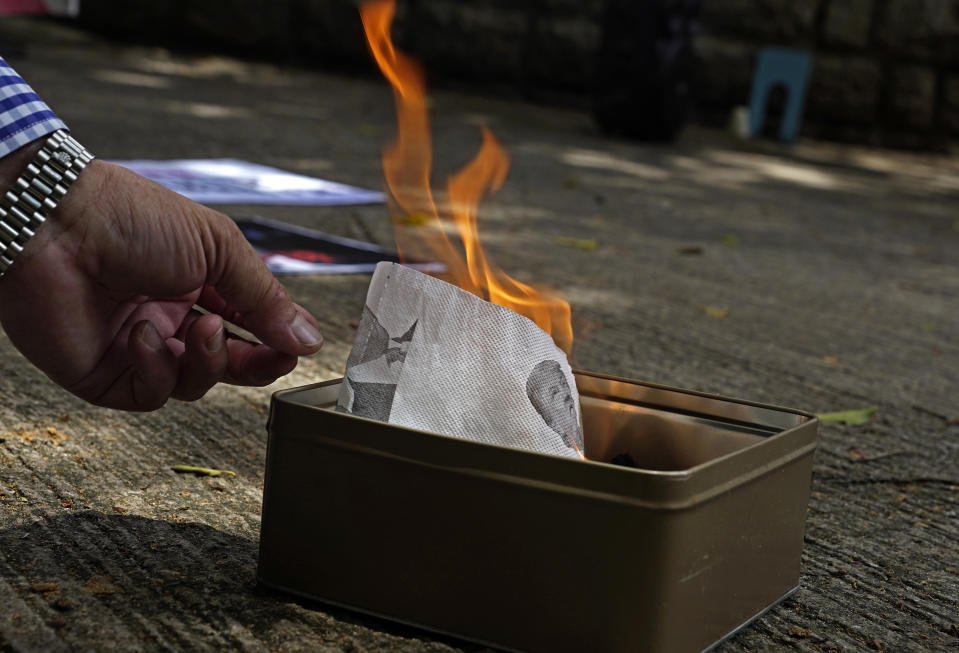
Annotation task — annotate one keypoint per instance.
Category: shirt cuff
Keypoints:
(24, 117)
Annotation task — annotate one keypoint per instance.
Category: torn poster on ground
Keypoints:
(232, 181)
(291, 249)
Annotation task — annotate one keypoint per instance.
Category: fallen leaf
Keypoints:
(201, 471)
(101, 585)
(730, 239)
(716, 312)
(831, 360)
(57, 622)
(41, 588)
(118, 510)
(55, 435)
(851, 417)
(587, 244)
(856, 454)
(414, 219)
(799, 632)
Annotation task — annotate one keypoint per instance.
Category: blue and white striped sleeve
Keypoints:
(24, 117)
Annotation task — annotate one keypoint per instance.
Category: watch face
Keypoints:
(63, 158)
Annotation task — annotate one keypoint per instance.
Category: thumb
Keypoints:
(252, 294)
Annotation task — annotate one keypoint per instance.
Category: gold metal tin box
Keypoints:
(531, 552)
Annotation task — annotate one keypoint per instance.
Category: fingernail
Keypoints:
(215, 342)
(150, 337)
(305, 332)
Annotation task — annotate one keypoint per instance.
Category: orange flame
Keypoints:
(421, 229)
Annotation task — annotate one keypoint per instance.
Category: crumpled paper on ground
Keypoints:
(431, 356)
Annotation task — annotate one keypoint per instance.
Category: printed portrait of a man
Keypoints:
(551, 396)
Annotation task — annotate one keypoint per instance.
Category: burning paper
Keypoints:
(437, 356)
(431, 356)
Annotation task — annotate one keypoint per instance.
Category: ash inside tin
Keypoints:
(624, 460)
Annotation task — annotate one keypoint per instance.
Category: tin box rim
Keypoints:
(294, 416)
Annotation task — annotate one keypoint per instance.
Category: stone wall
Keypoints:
(885, 71)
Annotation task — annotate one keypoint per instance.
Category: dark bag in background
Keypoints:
(644, 71)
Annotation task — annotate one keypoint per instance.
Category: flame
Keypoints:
(421, 228)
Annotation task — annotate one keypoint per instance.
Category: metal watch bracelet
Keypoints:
(37, 191)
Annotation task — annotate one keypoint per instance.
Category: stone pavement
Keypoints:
(819, 277)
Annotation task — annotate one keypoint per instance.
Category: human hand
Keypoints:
(101, 299)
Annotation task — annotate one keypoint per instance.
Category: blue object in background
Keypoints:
(780, 66)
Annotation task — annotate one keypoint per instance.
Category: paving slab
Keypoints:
(817, 276)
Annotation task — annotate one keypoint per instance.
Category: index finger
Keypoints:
(244, 283)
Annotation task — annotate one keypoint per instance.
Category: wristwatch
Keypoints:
(37, 191)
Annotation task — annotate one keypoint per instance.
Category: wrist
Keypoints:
(43, 181)
(13, 164)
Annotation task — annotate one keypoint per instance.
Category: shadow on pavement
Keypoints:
(79, 581)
